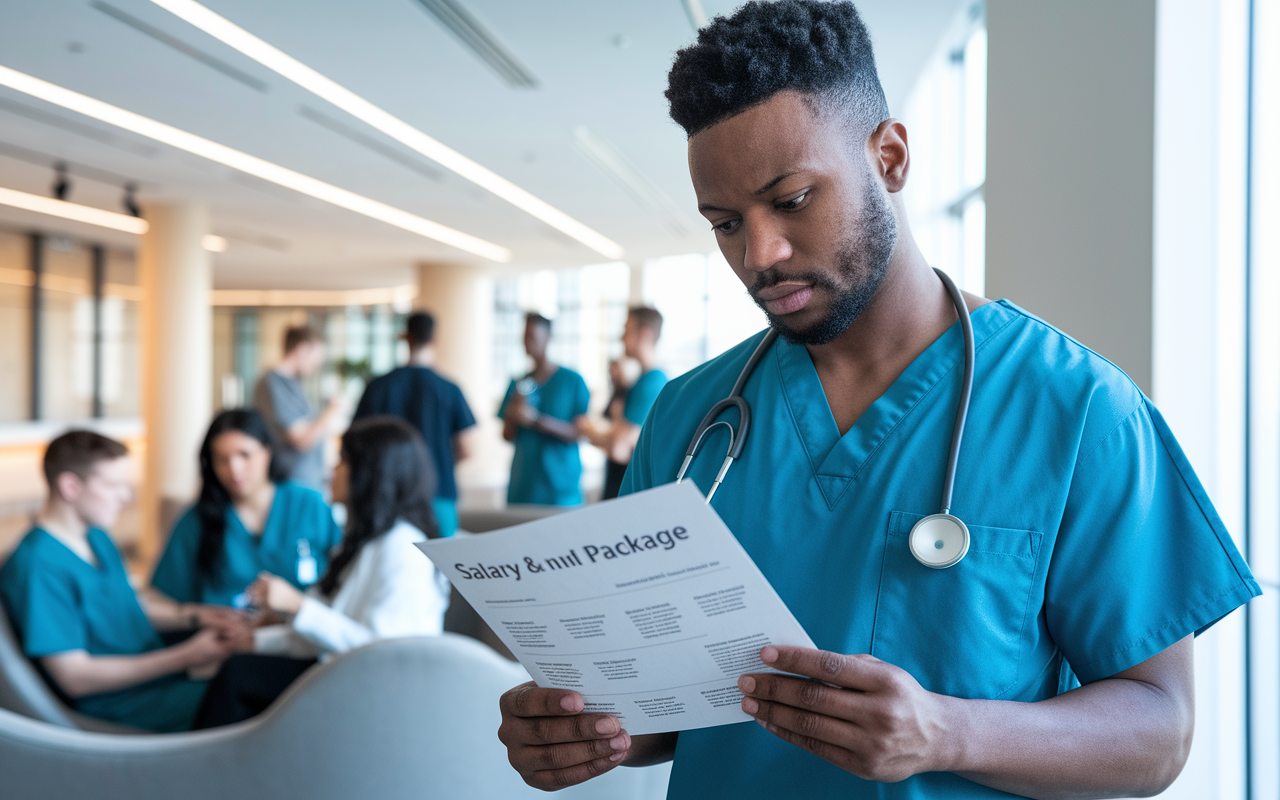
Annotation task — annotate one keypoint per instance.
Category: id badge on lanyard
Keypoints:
(307, 567)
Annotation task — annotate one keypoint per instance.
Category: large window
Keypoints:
(69, 346)
(15, 327)
(946, 119)
(362, 342)
(1262, 542)
(587, 306)
(705, 308)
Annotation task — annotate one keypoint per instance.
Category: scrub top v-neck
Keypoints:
(59, 603)
(1093, 546)
(299, 523)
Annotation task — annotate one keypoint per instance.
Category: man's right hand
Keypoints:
(552, 744)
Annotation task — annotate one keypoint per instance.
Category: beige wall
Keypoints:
(1070, 130)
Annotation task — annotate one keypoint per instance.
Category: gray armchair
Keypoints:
(401, 718)
(24, 691)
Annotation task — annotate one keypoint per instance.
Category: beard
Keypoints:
(861, 264)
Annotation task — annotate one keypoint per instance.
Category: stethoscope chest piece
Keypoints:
(939, 541)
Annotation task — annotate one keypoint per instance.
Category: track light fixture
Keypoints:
(130, 202)
(61, 181)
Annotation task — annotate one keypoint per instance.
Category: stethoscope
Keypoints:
(939, 540)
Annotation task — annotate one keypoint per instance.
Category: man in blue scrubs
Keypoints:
(433, 405)
(1056, 658)
(539, 414)
(67, 593)
(618, 440)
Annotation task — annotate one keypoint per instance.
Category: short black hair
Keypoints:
(78, 452)
(647, 317)
(420, 329)
(538, 320)
(820, 49)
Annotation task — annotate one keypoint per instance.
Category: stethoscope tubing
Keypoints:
(738, 436)
(966, 389)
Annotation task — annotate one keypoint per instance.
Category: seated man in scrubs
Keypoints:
(69, 597)
(618, 439)
(539, 414)
(245, 521)
(1055, 659)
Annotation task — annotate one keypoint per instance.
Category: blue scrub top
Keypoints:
(1093, 545)
(297, 514)
(641, 396)
(544, 469)
(429, 403)
(59, 603)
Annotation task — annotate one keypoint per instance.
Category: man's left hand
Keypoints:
(862, 714)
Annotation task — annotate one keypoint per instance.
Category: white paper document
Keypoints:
(646, 605)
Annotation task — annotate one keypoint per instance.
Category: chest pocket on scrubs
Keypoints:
(958, 631)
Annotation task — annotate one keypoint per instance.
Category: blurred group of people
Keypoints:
(257, 581)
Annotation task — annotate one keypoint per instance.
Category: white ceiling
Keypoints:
(599, 65)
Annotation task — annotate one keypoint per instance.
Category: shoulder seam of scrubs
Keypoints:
(1080, 459)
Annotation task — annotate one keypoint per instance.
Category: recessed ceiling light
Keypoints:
(252, 165)
(72, 211)
(233, 35)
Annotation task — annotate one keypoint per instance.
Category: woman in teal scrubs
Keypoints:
(246, 521)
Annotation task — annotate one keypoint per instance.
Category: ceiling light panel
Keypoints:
(269, 56)
(251, 165)
(72, 211)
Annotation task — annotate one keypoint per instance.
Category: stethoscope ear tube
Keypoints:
(738, 437)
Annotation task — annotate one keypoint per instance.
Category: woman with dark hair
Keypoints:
(247, 520)
(378, 585)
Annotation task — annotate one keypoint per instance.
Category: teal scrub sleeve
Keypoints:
(638, 476)
(506, 398)
(177, 575)
(640, 397)
(1141, 559)
(52, 620)
(581, 398)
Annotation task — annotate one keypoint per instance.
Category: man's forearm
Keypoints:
(165, 613)
(558, 428)
(79, 674)
(1115, 737)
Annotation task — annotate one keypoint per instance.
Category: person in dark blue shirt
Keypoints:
(433, 405)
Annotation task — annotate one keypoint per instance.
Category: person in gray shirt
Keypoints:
(296, 427)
